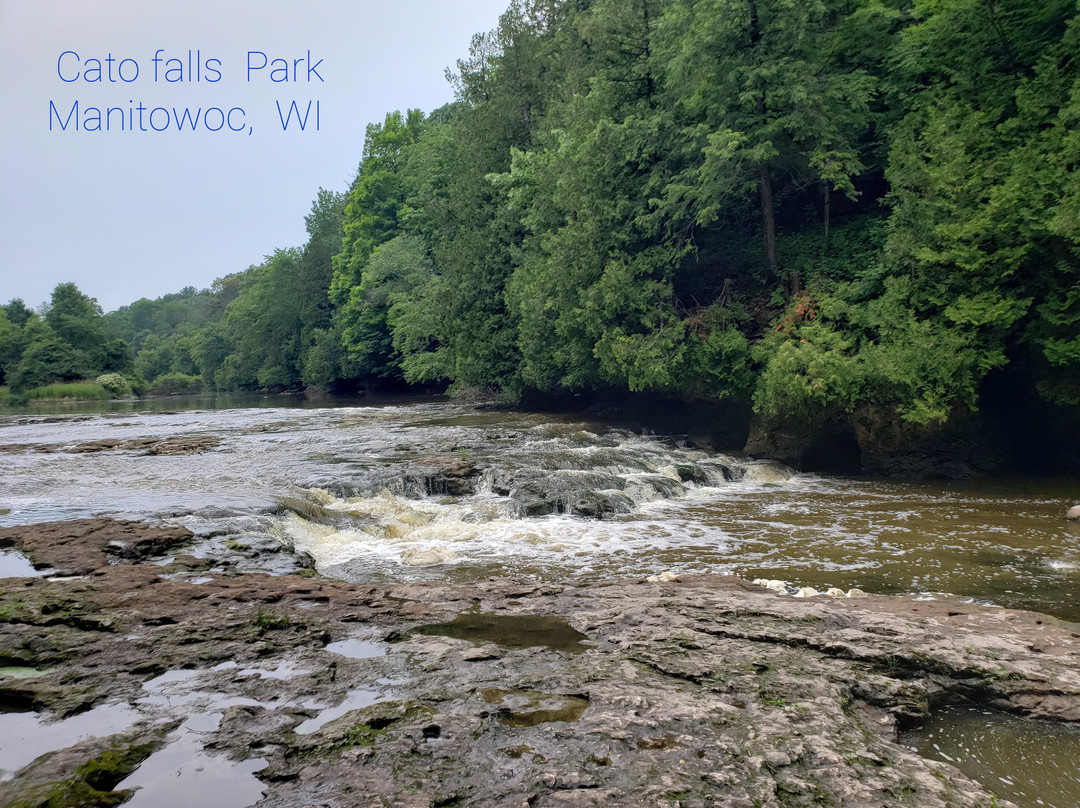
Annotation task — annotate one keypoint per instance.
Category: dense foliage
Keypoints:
(811, 205)
(66, 341)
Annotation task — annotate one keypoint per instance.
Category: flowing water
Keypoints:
(428, 489)
(367, 493)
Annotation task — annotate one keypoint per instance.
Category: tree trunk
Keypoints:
(768, 217)
(827, 205)
(650, 84)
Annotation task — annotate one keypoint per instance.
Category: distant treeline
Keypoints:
(810, 205)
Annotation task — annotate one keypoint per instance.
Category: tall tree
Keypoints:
(763, 80)
(371, 218)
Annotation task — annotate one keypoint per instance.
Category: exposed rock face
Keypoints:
(829, 446)
(451, 476)
(877, 441)
(81, 546)
(894, 447)
(698, 691)
(174, 445)
(782, 440)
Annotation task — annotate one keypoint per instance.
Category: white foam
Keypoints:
(1061, 565)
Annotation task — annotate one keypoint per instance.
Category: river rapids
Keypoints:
(413, 490)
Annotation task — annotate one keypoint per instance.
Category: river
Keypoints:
(363, 490)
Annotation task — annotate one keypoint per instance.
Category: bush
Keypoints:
(116, 384)
(174, 384)
(46, 361)
(9, 399)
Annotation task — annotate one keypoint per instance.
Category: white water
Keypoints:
(357, 489)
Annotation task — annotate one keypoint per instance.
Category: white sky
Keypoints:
(130, 214)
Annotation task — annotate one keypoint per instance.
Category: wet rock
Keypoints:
(174, 445)
(81, 546)
(577, 492)
(1073, 514)
(446, 476)
(703, 690)
(26, 448)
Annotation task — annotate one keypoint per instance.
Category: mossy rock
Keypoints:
(91, 784)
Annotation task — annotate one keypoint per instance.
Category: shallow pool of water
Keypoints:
(16, 565)
(356, 649)
(24, 736)
(510, 631)
(1036, 764)
(354, 700)
(184, 773)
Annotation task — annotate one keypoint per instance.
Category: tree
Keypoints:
(46, 359)
(10, 344)
(763, 82)
(17, 313)
(76, 319)
(982, 180)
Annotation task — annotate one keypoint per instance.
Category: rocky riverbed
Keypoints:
(140, 671)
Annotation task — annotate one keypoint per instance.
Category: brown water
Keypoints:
(1033, 763)
(1000, 541)
(345, 484)
(510, 631)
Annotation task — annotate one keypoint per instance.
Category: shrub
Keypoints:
(116, 384)
(172, 384)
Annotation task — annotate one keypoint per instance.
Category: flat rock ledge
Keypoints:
(695, 692)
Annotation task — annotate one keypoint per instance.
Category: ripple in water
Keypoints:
(548, 496)
(1036, 764)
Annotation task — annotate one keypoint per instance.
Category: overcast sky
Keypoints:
(127, 214)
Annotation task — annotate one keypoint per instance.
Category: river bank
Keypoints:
(1005, 437)
(698, 691)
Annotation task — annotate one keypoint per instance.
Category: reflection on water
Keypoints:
(16, 565)
(26, 735)
(184, 772)
(356, 700)
(510, 631)
(356, 649)
(405, 491)
(1036, 764)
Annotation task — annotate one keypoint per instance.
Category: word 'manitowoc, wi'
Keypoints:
(137, 117)
(172, 68)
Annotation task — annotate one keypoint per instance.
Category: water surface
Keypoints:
(357, 488)
(1036, 764)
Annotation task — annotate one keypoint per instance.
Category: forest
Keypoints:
(811, 208)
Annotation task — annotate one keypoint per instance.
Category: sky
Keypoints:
(126, 213)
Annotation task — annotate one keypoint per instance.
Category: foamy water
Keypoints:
(358, 489)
